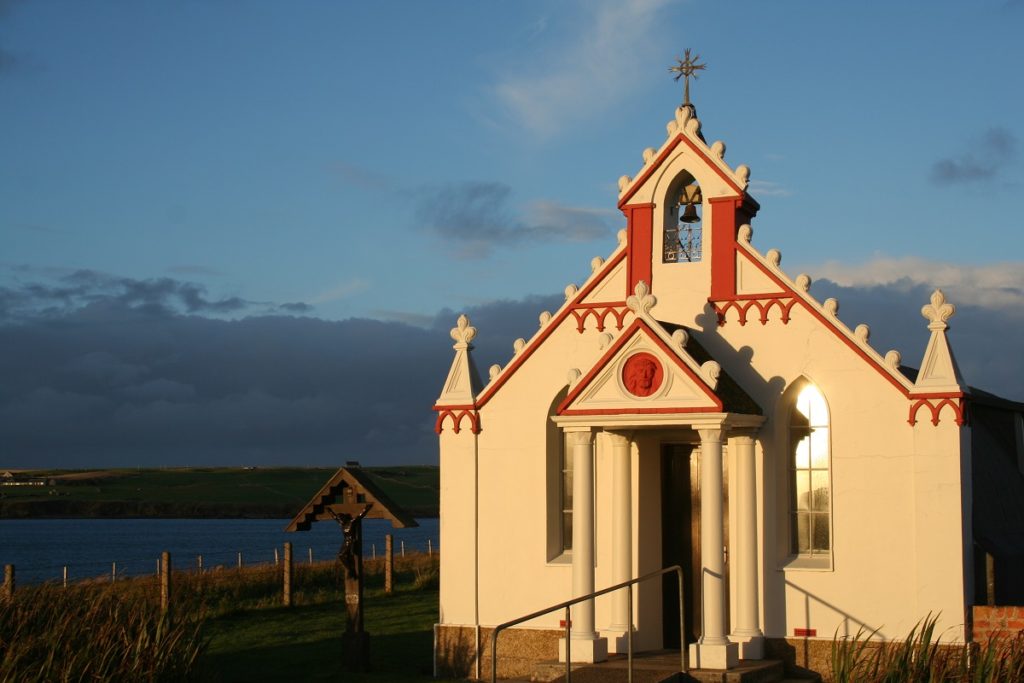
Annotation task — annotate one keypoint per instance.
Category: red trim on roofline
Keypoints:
(638, 182)
(642, 411)
(637, 324)
(488, 393)
(829, 324)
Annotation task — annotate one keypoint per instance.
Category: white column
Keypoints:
(586, 645)
(622, 536)
(714, 650)
(748, 626)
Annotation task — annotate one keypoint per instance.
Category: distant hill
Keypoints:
(260, 492)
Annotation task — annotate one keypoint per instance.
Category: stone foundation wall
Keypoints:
(519, 649)
(800, 655)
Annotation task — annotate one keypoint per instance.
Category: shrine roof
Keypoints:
(349, 490)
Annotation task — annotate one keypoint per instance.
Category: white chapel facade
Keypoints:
(691, 403)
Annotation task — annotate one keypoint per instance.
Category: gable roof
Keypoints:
(681, 383)
(349, 490)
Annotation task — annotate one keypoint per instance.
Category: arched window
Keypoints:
(565, 497)
(809, 459)
(559, 487)
(682, 241)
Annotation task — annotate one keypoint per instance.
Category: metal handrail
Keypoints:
(683, 664)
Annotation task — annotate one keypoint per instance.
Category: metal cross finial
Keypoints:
(684, 68)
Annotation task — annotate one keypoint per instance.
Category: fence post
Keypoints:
(113, 572)
(8, 581)
(199, 563)
(65, 576)
(165, 581)
(430, 549)
(389, 563)
(277, 558)
(403, 548)
(239, 559)
(311, 556)
(287, 595)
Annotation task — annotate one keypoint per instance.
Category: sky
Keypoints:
(238, 232)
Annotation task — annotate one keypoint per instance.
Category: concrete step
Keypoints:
(658, 667)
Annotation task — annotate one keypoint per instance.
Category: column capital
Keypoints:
(743, 437)
(578, 437)
(619, 438)
(712, 434)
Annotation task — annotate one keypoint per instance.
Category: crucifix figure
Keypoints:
(684, 68)
(355, 641)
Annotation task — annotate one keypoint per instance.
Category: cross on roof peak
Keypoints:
(684, 68)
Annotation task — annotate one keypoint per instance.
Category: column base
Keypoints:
(703, 656)
(751, 647)
(589, 650)
(617, 640)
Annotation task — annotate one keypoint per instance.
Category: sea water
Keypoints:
(41, 548)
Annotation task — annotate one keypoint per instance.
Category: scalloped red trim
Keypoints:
(456, 413)
(764, 304)
(935, 405)
(600, 312)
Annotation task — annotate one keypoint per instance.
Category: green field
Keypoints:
(303, 643)
(201, 492)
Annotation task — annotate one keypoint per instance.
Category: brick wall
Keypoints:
(1004, 622)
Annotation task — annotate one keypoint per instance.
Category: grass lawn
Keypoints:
(304, 643)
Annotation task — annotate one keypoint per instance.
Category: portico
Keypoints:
(716, 648)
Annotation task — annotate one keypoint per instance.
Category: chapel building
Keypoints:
(692, 404)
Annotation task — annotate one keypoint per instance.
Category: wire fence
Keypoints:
(137, 551)
(225, 581)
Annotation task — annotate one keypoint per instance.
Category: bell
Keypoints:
(690, 214)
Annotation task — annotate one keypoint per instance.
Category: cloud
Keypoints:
(766, 188)
(295, 307)
(477, 217)
(993, 152)
(84, 290)
(342, 290)
(991, 286)
(592, 71)
(104, 382)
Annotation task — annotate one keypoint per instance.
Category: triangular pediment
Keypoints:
(644, 371)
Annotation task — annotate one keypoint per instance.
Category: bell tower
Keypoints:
(683, 213)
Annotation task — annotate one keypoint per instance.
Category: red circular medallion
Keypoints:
(642, 374)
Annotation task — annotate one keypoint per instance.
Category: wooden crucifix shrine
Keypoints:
(348, 497)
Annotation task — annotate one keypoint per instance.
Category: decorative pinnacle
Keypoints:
(641, 301)
(938, 311)
(685, 68)
(463, 333)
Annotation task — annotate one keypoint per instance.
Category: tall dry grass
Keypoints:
(922, 657)
(98, 631)
(93, 633)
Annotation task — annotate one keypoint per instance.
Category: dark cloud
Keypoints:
(476, 216)
(110, 379)
(78, 288)
(996, 149)
(295, 307)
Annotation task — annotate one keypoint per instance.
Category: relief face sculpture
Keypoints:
(641, 374)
